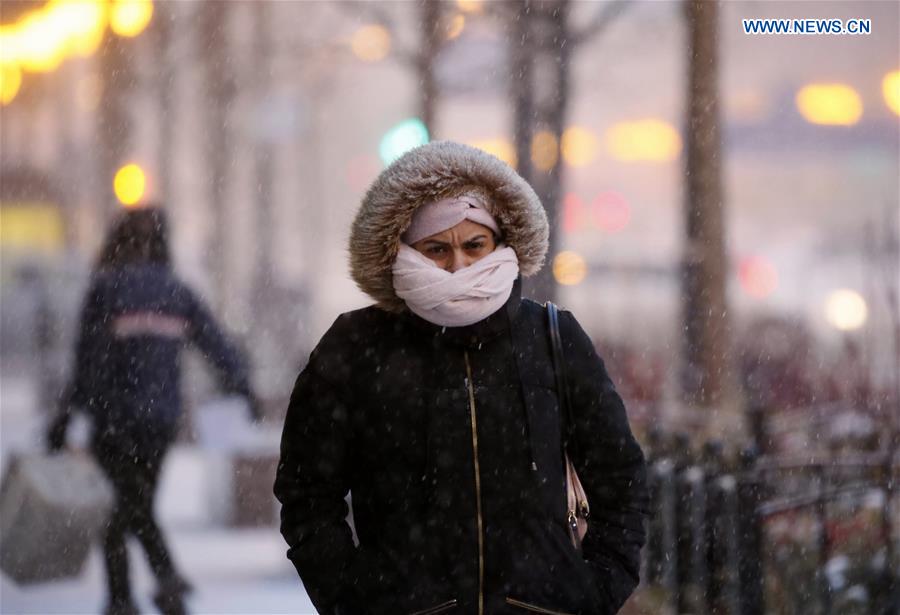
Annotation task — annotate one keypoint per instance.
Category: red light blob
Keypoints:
(757, 276)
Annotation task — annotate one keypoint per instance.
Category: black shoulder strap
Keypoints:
(559, 369)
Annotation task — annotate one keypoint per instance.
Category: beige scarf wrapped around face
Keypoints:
(456, 299)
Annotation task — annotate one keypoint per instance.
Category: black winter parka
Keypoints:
(449, 441)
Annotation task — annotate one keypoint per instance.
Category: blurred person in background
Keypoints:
(136, 317)
(437, 410)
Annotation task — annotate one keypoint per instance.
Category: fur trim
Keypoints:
(427, 173)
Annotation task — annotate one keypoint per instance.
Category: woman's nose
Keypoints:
(458, 261)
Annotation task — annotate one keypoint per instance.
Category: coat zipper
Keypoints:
(471, 389)
(433, 610)
(532, 608)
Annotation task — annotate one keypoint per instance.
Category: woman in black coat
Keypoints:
(437, 409)
(136, 318)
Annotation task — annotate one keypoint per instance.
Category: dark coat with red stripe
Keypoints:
(135, 321)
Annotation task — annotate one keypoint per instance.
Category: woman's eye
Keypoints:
(436, 250)
(475, 246)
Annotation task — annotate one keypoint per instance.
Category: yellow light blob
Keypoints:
(31, 226)
(88, 20)
(648, 140)
(371, 43)
(45, 37)
(9, 45)
(832, 104)
(129, 185)
(890, 87)
(579, 146)
(501, 148)
(456, 26)
(130, 17)
(569, 268)
(10, 82)
(544, 150)
(846, 310)
(470, 6)
(39, 41)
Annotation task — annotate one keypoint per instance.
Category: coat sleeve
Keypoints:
(611, 466)
(228, 361)
(313, 480)
(87, 367)
(91, 349)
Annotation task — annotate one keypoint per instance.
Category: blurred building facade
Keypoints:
(259, 130)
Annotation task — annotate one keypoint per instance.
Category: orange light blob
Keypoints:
(129, 18)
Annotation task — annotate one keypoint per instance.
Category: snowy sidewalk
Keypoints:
(233, 571)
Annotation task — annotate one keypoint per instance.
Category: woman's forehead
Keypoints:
(464, 231)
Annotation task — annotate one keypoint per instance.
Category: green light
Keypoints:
(402, 138)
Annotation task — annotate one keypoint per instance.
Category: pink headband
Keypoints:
(440, 215)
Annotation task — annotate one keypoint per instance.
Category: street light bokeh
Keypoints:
(846, 310)
(611, 212)
(569, 268)
(470, 6)
(579, 146)
(457, 24)
(544, 150)
(501, 148)
(91, 19)
(890, 87)
(128, 18)
(129, 185)
(10, 82)
(371, 43)
(649, 140)
(37, 45)
(758, 277)
(832, 104)
(46, 36)
(401, 138)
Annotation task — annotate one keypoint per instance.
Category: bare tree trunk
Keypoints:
(114, 126)
(541, 102)
(432, 41)
(220, 91)
(707, 353)
(263, 159)
(521, 87)
(163, 31)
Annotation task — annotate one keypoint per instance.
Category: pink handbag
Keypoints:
(577, 505)
(577, 508)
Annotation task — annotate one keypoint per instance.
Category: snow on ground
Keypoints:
(234, 571)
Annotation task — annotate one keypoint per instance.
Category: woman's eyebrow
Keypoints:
(475, 238)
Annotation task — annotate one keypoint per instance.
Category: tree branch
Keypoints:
(603, 17)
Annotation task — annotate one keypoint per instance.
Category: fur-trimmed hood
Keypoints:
(427, 173)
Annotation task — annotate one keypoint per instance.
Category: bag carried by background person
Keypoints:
(52, 509)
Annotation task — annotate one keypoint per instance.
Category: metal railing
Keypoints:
(707, 545)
